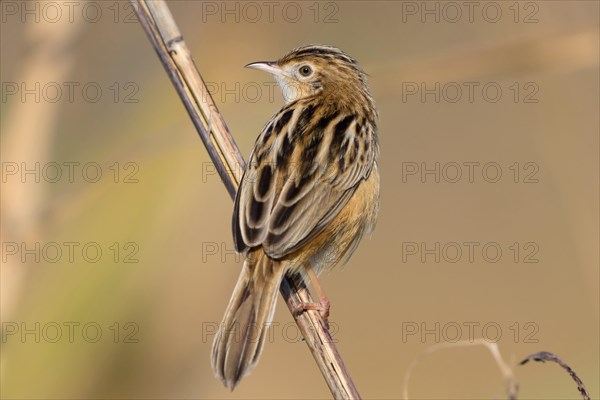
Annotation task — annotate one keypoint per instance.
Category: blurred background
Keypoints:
(117, 257)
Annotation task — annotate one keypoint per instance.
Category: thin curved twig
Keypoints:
(511, 384)
(544, 356)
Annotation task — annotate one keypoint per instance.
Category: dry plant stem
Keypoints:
(316, 333)
(157, 21)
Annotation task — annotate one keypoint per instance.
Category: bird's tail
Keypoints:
(240, 338)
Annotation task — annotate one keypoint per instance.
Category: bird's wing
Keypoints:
(303, 170)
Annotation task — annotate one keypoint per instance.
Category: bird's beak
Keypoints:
(267, 66)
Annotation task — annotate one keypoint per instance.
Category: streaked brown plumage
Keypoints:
(309, 193)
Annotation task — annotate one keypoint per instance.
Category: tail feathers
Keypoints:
(240, 338)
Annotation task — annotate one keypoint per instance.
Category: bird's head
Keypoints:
(316, 70)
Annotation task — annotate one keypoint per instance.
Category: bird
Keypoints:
(309, 193)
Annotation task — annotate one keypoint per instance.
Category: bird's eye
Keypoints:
(305, 70)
